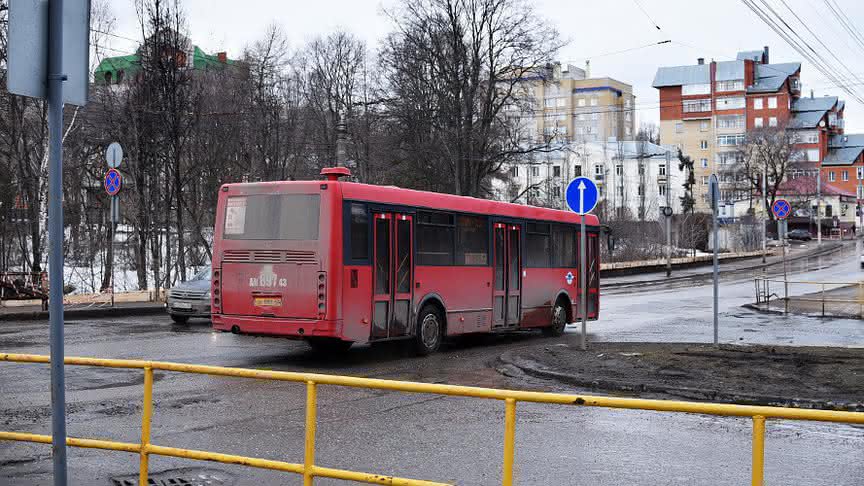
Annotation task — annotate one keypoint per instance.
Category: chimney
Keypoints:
(765, 56)
(700, 61)
(587, 69)
(222, 56)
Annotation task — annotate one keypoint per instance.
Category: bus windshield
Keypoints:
(272, 217)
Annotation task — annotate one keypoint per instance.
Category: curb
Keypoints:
(537, 370)
(817, 252)
(123, 311)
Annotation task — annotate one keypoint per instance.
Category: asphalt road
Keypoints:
(421, 436)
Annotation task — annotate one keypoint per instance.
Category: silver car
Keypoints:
(190, 298)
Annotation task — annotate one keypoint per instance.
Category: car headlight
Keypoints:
(207, 295)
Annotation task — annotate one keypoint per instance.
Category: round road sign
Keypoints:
(781, 208)
(114, 155)
(113, 182)
(581, 195)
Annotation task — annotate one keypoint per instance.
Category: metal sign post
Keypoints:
(581, 197)
(781, 210)
(113, 156)
(668, 213)
(714, 194)
(49, 44)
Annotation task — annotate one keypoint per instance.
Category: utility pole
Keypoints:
(55, 237)
(764, 213)
(668, 213)
(714, 193)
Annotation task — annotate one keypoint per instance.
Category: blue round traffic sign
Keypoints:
(113, 182)
(781, 208)
(581, 195)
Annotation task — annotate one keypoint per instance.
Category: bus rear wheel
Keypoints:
(328, 345)
(430, 330)
(559, 321)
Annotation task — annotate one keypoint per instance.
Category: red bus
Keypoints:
(336, 263)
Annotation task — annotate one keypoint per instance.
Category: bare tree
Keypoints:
(770, 151)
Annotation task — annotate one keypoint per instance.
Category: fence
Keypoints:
(812, 297)
(309, 470)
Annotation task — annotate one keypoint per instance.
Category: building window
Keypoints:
(594, 101)
(757, 103)
(757, 122)
(619, 191)
(772, 121)
(831, 176)
(662, 169)
(641, 190)
(813, 155)
(731, 85)
(595, 116)
(556, 191)
(860, 173)
(730, 103)
(556, 171)
(697, 106)
(730, 121)
(829, 211)
(810, 136)
(730, 140)
(679, 127)
(705, 180)
(535, 171)
(561, 102)
(704, 163)
(703, 126)
(577, 171)
(514, 171)
(860, 191)
(696, 89)
(549, 102)
(703, 144)
(580, 102)
(598, 172)
(772, 102)
(661, 189)
(845, 175)
(619, 170)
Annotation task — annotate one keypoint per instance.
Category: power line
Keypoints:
(629, 49)
(647, 15)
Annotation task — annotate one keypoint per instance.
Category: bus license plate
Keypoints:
(268, 302)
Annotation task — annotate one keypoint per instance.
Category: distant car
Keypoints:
(190, 298)
(799, 234)
(862, 261)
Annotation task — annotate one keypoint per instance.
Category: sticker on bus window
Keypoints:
(235, 216)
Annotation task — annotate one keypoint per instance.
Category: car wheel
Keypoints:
(179, 319)
(430, 331)
(559, 321)
(328, 345)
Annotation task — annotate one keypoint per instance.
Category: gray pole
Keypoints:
(715, 202)
(819, 207)
(668, 218)
(583, 284)
(764, 214)
(55, 236)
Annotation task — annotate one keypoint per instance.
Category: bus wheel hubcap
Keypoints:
(429, 331)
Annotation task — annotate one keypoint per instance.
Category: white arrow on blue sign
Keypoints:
(581, 195)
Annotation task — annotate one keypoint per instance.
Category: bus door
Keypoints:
(393, 275)
(507, 291)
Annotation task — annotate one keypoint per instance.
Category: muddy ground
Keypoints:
(813, 377)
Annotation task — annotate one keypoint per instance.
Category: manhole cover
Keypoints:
(179, 477)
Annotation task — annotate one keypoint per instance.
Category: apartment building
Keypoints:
(707, 109)
(568, 105)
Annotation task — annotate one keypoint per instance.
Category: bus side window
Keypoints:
(539, 249)
(359, 229)
(563, 246)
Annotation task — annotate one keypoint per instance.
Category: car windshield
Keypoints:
(203, 274)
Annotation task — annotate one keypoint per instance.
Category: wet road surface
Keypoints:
(422, 436)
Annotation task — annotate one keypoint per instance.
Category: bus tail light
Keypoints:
(322, 294)
(216, 288)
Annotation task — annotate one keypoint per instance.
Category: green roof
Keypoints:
(131, 63)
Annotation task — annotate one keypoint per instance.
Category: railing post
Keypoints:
(146, 417)
(758, 450)
(823, 300)
(311, 424)
(861, 300)
(509, 440)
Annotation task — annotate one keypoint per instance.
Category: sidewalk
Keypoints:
(74, 311)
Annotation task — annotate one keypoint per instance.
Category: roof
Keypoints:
(681, 75)
(847, 140)
(769, 78)
(633, 149)
(806, 119)
(823, 104)
(842, 156)
(203, 60)
(127, 63)
(754, 55)
(806, 186)
(729, 70)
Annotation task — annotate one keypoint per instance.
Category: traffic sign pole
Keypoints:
(55, 238)
(714, 194)
(581, 196)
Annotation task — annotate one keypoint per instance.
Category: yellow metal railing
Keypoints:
(309, 470)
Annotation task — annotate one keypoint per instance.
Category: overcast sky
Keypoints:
(698, 28)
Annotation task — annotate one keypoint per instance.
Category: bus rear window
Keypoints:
(272, 217)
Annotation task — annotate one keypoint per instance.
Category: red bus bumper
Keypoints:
(274, 326)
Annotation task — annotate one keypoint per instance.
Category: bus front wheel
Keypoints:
(430, 330)
(559, 321)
